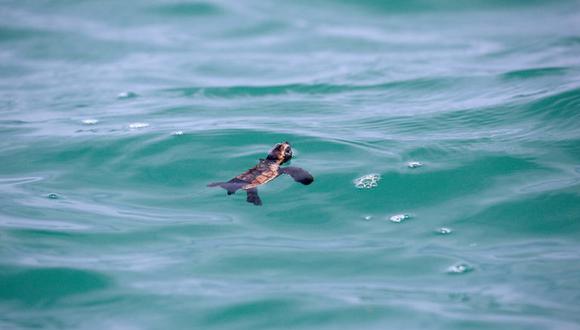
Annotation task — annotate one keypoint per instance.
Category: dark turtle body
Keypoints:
(265, 171)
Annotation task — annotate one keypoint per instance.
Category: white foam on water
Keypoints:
(414, 164)
(138, 125)
(399, 217)
(126, 95)
(444, 231)
(90, 121)
(367, 181)
(460, 268)
(177, 133)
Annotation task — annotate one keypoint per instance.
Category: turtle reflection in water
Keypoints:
(267, 170)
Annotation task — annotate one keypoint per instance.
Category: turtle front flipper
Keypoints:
(298, 174)
(253, 196)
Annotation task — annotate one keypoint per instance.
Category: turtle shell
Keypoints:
(262, 173)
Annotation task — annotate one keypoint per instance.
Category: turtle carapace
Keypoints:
(267, 170)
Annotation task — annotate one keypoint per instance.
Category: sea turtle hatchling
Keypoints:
(267, 170)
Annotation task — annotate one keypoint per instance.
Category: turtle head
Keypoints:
(281, 153)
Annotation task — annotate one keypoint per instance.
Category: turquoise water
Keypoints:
(116, 114)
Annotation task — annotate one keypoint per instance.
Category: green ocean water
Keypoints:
(114, 115)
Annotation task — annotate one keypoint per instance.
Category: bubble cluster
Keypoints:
(367, 181)
(414, 164)
(460, 268)
(52, 196)
(399, 217)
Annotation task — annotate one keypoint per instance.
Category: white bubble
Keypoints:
(399, 217)
(460, 268)
(89, 121)
(444, 231)
(368, 217)
(126, 95)
(414, 164)
(367, 181)
(138, 125)
(177, 133)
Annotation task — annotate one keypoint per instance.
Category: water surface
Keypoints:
(116, 114)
